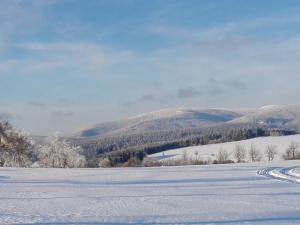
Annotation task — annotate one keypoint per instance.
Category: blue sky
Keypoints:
(68, 64)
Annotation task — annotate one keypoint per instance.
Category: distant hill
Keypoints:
(174, 128)
(273, 116)
(167, 119)
(182, 118)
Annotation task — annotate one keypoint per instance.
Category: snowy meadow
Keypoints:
(213, 194)
(210, 152)
(116, 112)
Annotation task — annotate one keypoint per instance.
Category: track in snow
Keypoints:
(289, 174)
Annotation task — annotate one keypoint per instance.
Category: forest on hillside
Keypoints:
(119, 149)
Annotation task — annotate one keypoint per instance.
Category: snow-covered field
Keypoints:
(214, 194)
(210, 151)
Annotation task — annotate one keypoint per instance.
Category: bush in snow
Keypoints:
(58, 153)
(222, 156)
(105, 162)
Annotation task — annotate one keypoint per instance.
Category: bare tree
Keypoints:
(239, 153)
(222, 156)
(254, 154)
(271, 152)
(184, 156)
(291, 151)
(196, 153)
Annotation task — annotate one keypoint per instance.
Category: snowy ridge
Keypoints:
(158, 114)
(166, 119)
(273, 115)
(287, 117)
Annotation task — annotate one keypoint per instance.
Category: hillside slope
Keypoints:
(167, 119)
(181, 118)
(175, 128)
(206, 152)
(273, 116)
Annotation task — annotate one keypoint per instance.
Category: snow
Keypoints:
(270, 107)
(213, 194)
(210, 151)
(288, 114)
(285, 174)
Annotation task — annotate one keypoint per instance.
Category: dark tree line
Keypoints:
(124, 157)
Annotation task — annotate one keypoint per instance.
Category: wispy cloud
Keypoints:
(84, 58)
(189, 92)
(215, 91)
(62, 113)
(36, 104)
(230, 83)
(186, 62)
(147, 97)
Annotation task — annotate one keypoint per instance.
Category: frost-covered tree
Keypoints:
(15, 147)
(291, 151)
(184, 156)
(271, 152)
(222, 156)
(239, 153)
(58, 153)
(196, 153)
(254, 154)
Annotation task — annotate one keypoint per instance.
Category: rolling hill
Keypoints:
(171, 119)
(166, 119)
(174, 128)
(210, 152)
(273, 116)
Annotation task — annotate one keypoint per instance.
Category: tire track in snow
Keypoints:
(281, 173)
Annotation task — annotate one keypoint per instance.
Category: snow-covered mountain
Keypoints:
(166, 119)
(182, 118)
(273, 115)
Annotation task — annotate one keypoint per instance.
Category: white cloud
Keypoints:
(230, 53)
(78, 58)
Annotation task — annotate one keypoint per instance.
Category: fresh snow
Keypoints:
(210, 151)
(285, 174)
(213, 194)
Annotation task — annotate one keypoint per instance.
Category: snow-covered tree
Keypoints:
(254, 154)
(184, 156)
(291, 152)
(196, 153)
(239, 153)
(271, 151)
(222, 156)
(15, 147)
(58, 153)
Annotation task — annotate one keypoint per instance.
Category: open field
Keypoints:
(214, 194)
(211, 151)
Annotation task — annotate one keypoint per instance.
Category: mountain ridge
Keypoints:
(166, 119)
(287, 116)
